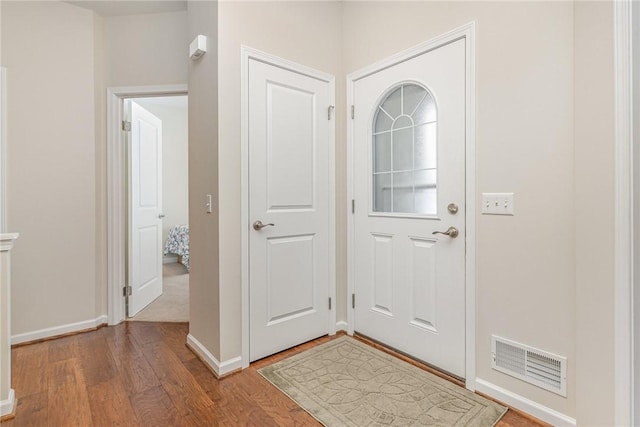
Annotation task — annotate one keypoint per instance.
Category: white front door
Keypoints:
(145, 209)
(409, 183)
(289, 140)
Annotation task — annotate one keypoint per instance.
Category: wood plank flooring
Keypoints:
(142, 374)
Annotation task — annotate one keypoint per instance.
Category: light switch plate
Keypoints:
(497, 203)
(209, 204)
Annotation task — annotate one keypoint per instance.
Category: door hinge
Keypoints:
(331, 107)
(353, 300)
(126, 126)
(329, 303)
(353, 206)
(126, 291)
(353, 112)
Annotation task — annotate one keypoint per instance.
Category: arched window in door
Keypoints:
(404, 152)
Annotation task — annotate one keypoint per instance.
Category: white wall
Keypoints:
(1, 62)
(305, 32)
(594, 212)
(3, 160)
(149, 49)
(175, 159)
(52, 172)
(57, 174)
(5, 344)
(100, 101)
(204, 279)
(2, 155)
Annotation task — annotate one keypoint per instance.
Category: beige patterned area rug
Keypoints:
(347, 383)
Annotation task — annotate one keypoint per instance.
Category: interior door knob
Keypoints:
(451, 232)
(160, 216)
(258, 225)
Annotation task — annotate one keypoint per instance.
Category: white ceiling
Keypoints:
(130, 7)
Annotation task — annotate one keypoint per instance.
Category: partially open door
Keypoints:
(145, 209)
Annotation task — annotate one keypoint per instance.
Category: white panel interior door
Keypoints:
(288, 192)
(409, 166)
(145, 209)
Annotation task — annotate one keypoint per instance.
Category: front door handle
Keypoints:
(451, 232)
(258, 225)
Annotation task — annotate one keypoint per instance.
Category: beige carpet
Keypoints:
(173, 304)
(347, 383)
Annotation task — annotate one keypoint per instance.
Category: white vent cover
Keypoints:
(534, 366)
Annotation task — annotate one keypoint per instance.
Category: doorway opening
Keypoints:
(158, 208)
(151, 236)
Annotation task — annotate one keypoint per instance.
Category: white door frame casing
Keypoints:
(467, 32)
(116, 192)
(623, 226)
(248, 53)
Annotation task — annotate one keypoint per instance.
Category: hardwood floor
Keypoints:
(141, 374)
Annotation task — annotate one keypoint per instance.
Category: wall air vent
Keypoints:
(534, 366)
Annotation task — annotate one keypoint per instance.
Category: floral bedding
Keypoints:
(178, 243)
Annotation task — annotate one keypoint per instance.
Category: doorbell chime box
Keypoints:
(198, 47)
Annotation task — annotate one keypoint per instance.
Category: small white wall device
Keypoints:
(198, 47)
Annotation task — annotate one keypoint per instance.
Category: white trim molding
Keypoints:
(523, 404)
(7, 241)
(468, 32)
(116, 192)
(170, 259)
(58, 330)
(220, 369)
(623, 226)
(8, 406)
(248, 53)
(342, 325)
(3, 149)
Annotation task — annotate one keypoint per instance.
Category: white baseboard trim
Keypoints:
(523, 404)
(8, 405)
(58, 330)
(230, 365)
(341, 325)
(170, 259)
(219, 368)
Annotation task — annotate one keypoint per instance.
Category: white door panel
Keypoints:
(290, 147)
(288, 187)
(145, 207)
(409, 165)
